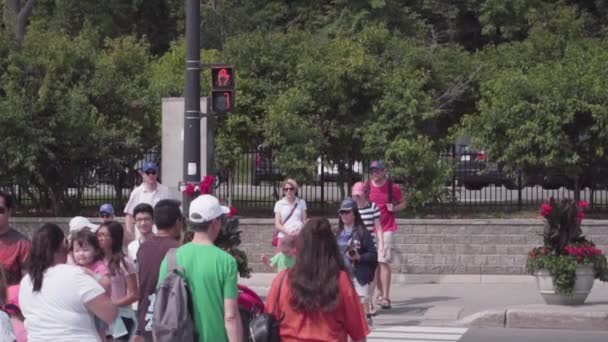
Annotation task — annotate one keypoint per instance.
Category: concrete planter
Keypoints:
(582, 286)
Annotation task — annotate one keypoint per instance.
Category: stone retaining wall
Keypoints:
(422, 246)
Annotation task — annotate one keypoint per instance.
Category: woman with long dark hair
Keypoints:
(316, 297)
(357, 247)
(123, 278)
(59, 300)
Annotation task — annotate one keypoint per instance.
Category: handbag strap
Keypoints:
(276, 302)
(291, 212)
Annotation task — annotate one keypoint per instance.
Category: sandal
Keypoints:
(379, 300)
(372, 309)
(385, 304)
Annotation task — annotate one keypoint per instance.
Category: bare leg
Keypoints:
(378, 281)
(371, 298)
(385, 278)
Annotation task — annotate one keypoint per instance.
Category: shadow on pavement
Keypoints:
(395, 323)
(422, 300)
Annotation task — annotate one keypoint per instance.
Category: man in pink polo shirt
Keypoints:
(379, 194)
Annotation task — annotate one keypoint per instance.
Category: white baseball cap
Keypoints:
(80, 222)
(205, 208)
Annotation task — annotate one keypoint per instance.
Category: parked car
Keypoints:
(472, 169)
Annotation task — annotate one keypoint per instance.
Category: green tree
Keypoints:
(69, 107)
(546, 109)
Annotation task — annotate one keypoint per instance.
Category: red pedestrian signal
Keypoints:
(222, 89)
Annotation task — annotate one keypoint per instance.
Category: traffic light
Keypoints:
(222, 89)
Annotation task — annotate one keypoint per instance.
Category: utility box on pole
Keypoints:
(173, 142)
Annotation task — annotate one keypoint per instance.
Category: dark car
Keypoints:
(474, 170)
(471, 167)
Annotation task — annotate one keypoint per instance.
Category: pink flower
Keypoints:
(583, 205)
(545, 209)
(232, 212)
(189, 189)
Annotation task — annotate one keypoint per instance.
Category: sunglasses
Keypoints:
(104, 215)
(150, 172)
(289, 189)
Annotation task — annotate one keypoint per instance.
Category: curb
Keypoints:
(265, 279)
(585, 317)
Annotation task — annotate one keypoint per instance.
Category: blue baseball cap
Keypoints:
(150, 166)
(377, 164)
(106, 208)
(347, 205)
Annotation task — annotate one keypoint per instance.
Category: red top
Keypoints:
(14, 252)
(333, 326)
(379, 195)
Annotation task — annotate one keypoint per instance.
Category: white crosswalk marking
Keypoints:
(415, 334)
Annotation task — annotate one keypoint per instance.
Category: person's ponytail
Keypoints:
(45, 243)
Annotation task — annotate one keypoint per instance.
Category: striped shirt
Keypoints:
(369, 213)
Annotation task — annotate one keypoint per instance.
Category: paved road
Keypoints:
(531, 335)
(442, 334)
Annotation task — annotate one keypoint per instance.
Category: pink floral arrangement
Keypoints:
(564, 245)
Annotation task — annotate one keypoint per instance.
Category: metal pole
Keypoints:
(192, 107)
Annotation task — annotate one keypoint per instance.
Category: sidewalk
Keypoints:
(479, 301)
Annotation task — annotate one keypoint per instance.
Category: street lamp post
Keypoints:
(192, 108)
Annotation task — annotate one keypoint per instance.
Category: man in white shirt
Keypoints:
(150, 191)
(144, 223)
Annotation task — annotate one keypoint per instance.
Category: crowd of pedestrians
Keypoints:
(99, 282)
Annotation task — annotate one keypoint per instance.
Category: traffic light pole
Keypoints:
(192, 107)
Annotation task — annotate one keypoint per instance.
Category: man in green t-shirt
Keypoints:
(211, 274)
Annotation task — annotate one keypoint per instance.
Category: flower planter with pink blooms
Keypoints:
(567, 264)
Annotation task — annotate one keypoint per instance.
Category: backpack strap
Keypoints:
(172, 260)
(390, 190)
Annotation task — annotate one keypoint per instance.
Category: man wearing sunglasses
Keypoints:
(106, 212)
(150, 191)
(14, 246)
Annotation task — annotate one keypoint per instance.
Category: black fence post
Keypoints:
(322, 183)
(519, 190)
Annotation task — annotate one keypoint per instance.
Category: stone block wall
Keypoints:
(422, 246)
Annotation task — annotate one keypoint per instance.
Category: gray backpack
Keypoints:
(173, 318)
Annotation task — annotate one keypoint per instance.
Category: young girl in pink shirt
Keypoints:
(87, 253)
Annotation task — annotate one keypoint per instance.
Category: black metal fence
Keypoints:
(88, 188)
(475, 183)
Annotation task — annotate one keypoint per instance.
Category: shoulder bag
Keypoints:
(264, 327)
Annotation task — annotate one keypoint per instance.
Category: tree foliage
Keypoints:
(544, 106)
(69, 107)
(332, 79)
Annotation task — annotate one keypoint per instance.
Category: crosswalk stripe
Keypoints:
(416, 334)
